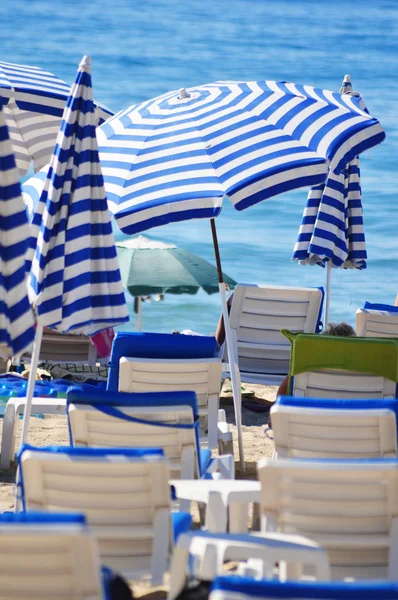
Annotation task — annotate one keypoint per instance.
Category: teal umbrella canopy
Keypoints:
(152, 267)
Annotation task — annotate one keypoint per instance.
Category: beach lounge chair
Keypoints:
(347, 506)
(238, 588)
(316, 428)
(124, 494)
(65, 348)
(166, 362)
(377, 320)
(324, 366)
(168, 420)
(258, 313)
(48, 556)
(201, 555)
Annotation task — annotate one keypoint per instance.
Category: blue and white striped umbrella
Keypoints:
(75, 282)
(16, 317)
(176, 157)
(332, 226)
(34, 101)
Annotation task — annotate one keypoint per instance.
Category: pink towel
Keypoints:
(103, 342)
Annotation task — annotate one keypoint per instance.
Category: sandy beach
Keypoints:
(53, 430)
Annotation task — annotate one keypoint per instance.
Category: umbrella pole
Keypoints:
(233, 365)
(328, 288)
(31, 384)
(139, 313)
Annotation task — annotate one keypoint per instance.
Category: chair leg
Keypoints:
(161, 545)
(8, 437)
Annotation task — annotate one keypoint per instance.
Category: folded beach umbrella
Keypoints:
(33, 101)
(16, 317)
(332, 232)
(74, 282)
(152, 267)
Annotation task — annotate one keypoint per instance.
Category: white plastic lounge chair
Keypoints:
(376, 323)
(124, 495)
(168, 420)
(239, 588)
(257, 315)
(347, 506)
(313, 428)
(342, 384)
(65, 348)
(201, 555)
(48, 556)
(152, 362)
(324, 366)
(16, 407)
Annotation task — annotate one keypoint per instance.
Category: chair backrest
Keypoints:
(243, 588)
(157, 346)
(311, 428)
(103, 419)
(259, 312)
(48, 556)
(376, 323)
(347, 506)
(124, 495)
(328, 383)
(201, 375)
(67, 348)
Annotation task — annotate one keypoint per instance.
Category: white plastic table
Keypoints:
(220, 497)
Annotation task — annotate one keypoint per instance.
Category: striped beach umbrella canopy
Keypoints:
(176, 157)
(33, 101)
(332, 232)
(332, 227)
(74, 282)
(16, 317)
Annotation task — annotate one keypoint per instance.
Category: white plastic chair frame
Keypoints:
(126, 502)
(49, 561)
(330, 383)
(376, 323)
(348, 507)
(199, 375)
(309, 432)
(202, 555)
(258, 313)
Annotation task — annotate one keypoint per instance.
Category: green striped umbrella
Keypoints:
(152, 267)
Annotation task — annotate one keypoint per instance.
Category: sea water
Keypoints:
(143, 49)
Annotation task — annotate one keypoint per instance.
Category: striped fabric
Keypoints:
(75, 282)
(33, 102)
(176, 157)
(332, 225)
(16, 317)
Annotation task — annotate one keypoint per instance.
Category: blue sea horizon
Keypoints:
(141, 50)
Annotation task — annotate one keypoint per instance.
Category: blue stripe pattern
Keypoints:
(332, 226)
(34, 101)
(74, 279)
(16, 317)
(177, 156)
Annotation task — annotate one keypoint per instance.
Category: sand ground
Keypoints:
(52, 430)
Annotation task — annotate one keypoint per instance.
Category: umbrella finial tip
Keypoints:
(347, 79)
(85, 63)
(183, 94)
